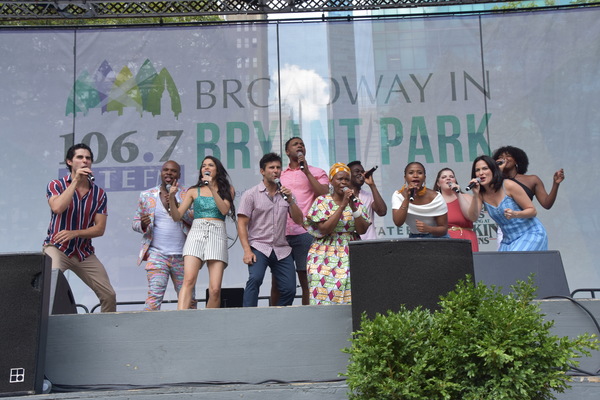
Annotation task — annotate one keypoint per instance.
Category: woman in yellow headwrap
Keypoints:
(334, 220)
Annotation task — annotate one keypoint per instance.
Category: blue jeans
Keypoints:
(300, 245)
(283, 272)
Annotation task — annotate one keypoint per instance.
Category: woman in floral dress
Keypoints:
(334, 220)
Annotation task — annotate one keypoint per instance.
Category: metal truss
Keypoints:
(81, 9)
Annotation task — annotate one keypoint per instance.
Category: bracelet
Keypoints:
(357, 213)
(403, 208)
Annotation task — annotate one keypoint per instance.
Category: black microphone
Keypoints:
(455, 188)
(499, 162)
(354, 199)
(91, 177)
(370, 172)
(472, 184)
(413, 193)
(206, 173)
(301, 162)
(278, 183)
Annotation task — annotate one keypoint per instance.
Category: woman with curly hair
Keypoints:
(212, 200)
(513, 163)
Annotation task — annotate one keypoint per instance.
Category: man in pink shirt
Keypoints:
(307, 183)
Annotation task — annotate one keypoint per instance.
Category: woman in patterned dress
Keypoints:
(508, 205)
(334, 220)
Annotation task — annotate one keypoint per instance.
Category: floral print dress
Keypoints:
(328, 261)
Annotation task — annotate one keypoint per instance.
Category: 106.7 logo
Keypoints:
(124, 151)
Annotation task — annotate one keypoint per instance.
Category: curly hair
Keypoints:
(519, 156)
(223, 184)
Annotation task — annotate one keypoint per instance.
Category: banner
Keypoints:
(438, 90)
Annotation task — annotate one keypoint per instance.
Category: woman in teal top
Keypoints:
(212, 199)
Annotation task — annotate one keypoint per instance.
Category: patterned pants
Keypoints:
(158, 269)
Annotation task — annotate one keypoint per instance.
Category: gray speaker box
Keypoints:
(506, 268)
(24, 307)
(415, 272)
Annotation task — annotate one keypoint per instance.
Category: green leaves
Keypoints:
(480, 345)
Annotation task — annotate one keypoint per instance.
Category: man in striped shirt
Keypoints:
(78, 214)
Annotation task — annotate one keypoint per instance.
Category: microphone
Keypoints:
(453, 188)
(278, 183)
(472, 184)
(206, 173)
(168, 187)
(301, 162)
(413, 192)
(354, 199)
(499, 162)
(370, 172)
(91, 177)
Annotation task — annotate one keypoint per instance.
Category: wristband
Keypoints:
(357, 213)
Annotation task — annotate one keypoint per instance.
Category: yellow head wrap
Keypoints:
(337, 167)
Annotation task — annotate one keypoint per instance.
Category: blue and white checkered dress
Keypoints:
(519, 234)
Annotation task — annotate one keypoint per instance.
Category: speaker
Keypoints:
(230, 297)
(61, 296)
(413, 272)
(24, 305)
(505, 268)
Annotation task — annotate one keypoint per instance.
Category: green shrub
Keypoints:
(480, 345)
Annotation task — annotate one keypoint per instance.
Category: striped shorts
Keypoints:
(207, 240)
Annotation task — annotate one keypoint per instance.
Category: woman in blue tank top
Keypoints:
(212, 200)
(508, 205)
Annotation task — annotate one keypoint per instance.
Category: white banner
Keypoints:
(439, 90)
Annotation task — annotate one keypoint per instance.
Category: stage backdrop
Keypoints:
(439, 90)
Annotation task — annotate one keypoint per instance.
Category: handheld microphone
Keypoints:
(455, 188)
(499, 162)
(91, 177)
(278, 183)
(168, 187)
(413, 192)
(206, 173)
(354, 199)
(472, 184)
(301, 162)
(370, 172)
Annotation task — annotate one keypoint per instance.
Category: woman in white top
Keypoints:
(422, 209)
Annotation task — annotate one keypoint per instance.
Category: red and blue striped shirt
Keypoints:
(79, 215)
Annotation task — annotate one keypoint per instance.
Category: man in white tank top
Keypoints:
(163, 238)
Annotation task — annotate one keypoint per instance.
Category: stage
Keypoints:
(256, 353)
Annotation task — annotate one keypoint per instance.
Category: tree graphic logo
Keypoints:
(113, 91)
